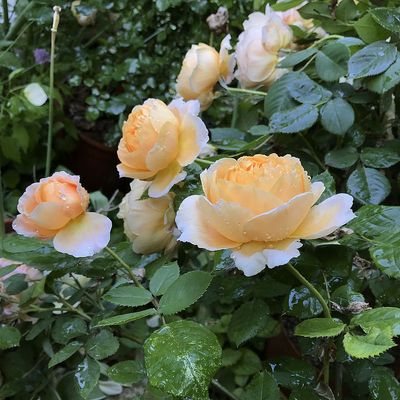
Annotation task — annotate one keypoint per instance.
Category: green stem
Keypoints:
(312, 151)
(51, 102)
(2, 228)
(16, 26)
(325, 308)
(201, 161)
(246, 91)
(324, 39)
(73, 309)
(223, 389)
(6, 21)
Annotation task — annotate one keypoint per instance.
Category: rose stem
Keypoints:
(56, 20)
(247, 91)
(2, 230)
(223, 389)
(134, 278)
(325, 308)
(6, 23)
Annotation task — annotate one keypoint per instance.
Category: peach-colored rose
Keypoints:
(293, 17)
(258, 46)
(148, 223)
(159, 140)
(259, 207)
(55, 208)
(202, 68)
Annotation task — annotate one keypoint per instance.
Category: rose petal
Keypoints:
(84, 236)
(326, 217)
(252, 258)
(35, 94)
(196, 226)
(49, 215)
(25, 227)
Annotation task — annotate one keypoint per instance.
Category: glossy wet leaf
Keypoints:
(306, 91)
(128, 296)
(368, 186)
(342, 158)
(331, 61)
(389, 18)
(262, 387)
(297, 57)
(102, 345)
(67, 328)
(301, 304)
(375, 342)
(382, 318)
(9, 337)
(66, 352)
(185, 291)
(126, 372)
(320, 327)
(87, 376)
(383, 385)
(247, 321)
(380, 157)
(372, 59)
(294, 120)
(164, 278)
(248, 364)
(386, 254)
(369, 30)
(304, 394)
(337, 116)
(329, 182)
(125, 318)
(387, 80)
(181, 359)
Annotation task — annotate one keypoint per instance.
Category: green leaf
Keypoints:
(181, 359)
(331, 62)
(185, 291)
(297, 57)
(262, 387)
(306, 91)
(9, 337)
(247, 321)
(164, 278)
(286, 5)
(294, 120)
(21, 244)
(389, 18)
(65, 353)
(9, 149)
(386, 81)
(128, 296)
(337, 116)
(372, 59)
(248, 364)
(8, 269)
(103, 345)
(304, 394)
(383, 385)
(386, 254)
(126, 372)
(278, 97)
(382, 318)
(329, 182)
(368, 186)
(87, 376)
(125, 318)
(379, 157)
(369, 30)
(374, 343)
(67, 328)
(342, 158)
(301, 304)
(320, 327)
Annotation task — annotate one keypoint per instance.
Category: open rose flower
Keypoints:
(159, 140)
(202, 68)
(258, 46)
(148, 223)
(260, 207)
(55, 208)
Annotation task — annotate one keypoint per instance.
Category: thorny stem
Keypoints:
(56, 19)
(325, 308)
(134, 278)
(223, 389)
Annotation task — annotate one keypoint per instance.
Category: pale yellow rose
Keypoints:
(259, 207)
(258, 46)
(55, 208)
(148, 223)
(293, 17)
(159, 140)
(202, 68)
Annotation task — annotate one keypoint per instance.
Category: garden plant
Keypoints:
(256, 253)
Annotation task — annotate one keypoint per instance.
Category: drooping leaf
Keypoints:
(128, 296)
(319, 327)
(331, 61)
(181, 359)
(368, 186)
(372, 59)
(337, 116)
(125, 318)
(185, 291)
(294, 120)
(66, 352)
(247, 321)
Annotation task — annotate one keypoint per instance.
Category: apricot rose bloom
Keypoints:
(202, 68)
(260, 207)
(258, 46)
(159, 140)
(148, 223)
(55, 208)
